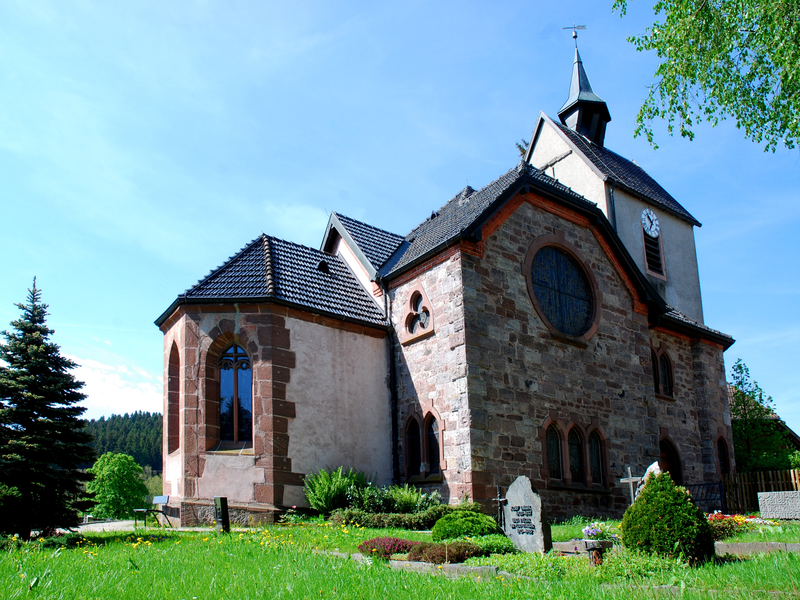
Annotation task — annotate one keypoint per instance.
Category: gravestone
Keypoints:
(779, 505)
(653, 470)
(525, 522)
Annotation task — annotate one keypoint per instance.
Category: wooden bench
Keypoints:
(157, 501)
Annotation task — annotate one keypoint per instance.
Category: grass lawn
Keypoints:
(787, 531)
(280, 562)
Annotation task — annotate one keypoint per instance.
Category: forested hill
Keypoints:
(137, 434)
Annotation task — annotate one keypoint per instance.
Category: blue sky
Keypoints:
(143, 143)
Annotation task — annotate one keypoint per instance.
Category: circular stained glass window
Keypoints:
(562, 290)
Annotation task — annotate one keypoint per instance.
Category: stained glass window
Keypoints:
(665, 370)
(235, 396)
(562, 290)
(553, 452)
(595, 458)
(413, 451)
(575, 455)
(433, 446)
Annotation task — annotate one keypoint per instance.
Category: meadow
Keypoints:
(289, 562)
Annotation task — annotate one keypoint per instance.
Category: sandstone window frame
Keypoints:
(558, 240)
(418, 320)
(418, 455)
(210, 406)
(663, 373)
(585, 482)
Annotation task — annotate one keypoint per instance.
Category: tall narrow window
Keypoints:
(235, 396)
(724, 459)
(665, 373)
(575, 455)
(595, 458)
(433, 446)
(413, 449)
(553, 452)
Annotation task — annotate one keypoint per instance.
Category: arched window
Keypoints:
(663, 374)
(724, 457)
(173, 400)
(670, 461)
(595, 458)
(553, 441)
(432, 434)
(235, 396)
(413, 449)
(575, 446)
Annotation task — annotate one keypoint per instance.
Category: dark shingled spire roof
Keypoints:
(461, 211)
(580, 90)
(376, 244)
(271, 268)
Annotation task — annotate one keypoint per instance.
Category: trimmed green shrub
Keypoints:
(454, 552)
(460, 523)
(326, 492)
(416, 521)
(495, 543)
(665, 520)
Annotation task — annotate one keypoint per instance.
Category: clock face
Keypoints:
(650, 223)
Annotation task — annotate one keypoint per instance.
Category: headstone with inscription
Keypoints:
(525, 522)
(779, 505)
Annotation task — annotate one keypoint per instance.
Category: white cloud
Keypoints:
(117, 389)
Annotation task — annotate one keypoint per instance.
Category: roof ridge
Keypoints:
(268, 274)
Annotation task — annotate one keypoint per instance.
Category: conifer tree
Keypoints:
(42, 437)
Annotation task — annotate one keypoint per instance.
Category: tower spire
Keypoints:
(584, 111)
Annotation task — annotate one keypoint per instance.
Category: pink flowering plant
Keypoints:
(384, 547)
(599, 531)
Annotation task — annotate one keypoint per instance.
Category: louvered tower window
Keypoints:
(652, 252)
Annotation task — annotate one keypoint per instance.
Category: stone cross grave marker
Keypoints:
(630, 480)
(525, 522)
(779, 505)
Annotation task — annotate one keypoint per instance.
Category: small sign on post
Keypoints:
(221, 514)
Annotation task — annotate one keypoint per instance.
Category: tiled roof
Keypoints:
(269, 267)
(679, 316)
(461, 211)
(376, 244)
(627, 173)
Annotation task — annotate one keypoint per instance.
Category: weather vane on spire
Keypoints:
(575, 31)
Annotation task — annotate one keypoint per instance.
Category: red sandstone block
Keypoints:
(265, 493)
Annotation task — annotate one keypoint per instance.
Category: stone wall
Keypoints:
(432, 372)
(521, 379)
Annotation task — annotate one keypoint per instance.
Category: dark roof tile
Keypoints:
(269, 267)
(627, 173)
(376, 244)
(461, 211)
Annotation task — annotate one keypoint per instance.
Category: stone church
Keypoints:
(549, 324)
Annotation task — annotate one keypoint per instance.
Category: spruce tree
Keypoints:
(42, 437)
